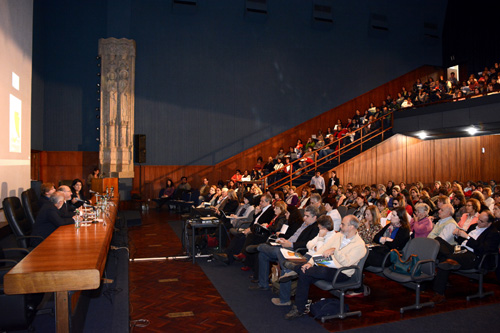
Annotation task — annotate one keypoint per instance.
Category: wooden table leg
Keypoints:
(62, 312)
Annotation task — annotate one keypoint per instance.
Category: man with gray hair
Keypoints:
(65, 211)
(345, 248)
(49, 219)
(317, 202)
(446, 225)
(267, 253)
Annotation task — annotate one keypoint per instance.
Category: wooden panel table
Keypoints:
(70, 259)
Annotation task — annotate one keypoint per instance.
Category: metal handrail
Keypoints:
(338, 152)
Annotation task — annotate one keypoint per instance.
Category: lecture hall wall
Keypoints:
(400, 158)
(213, 83)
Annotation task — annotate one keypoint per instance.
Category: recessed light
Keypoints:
(422, 135)
(472, 130)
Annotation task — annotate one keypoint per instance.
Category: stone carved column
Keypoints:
(117, 107)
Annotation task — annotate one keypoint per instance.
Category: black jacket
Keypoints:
(306, 235)
(47, 220)
(399, 242)
(487, 242)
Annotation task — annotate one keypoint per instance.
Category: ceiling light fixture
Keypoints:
(422, 135)
(472, 130)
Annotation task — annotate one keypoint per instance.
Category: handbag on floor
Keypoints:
(403, 267)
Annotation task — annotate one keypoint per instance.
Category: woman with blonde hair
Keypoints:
(370, 225)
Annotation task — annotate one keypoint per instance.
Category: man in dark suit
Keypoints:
(267, 253)
(47, 190)
(49, 219)
(264, 213)
(480, 238)
(65, 211)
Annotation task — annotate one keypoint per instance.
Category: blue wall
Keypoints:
(212, 83)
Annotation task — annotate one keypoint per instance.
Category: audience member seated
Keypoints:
(262, 214)
(361, 206)
(259, 165)
(310, 143)
(333, 213)
(459, 205)
(325, 226)
(243, 212)
(471, 215)
(414, 194)
(446, 225)
(296, 240)
(400, 201)
(49, 219)
(420, 224)
(246, 176)
(479, 196)
(292, 199)
(488, 199)
(278, 167)
(204, 190)
(256, 237)
(370, 225)
(480, 238)
(269, 166)
(167, 193)
(441, 200)
(237, 176)
(256, 194)
(346, 248)
(304, 199)
(183, 187)
(382, 208)
(308, 158)
(394, 235)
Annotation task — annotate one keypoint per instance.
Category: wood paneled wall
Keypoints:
(408, 159)
(400, 158)
(55, 166)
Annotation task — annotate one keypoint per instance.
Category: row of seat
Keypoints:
(18, 311)
(21, 217)
(427, 250)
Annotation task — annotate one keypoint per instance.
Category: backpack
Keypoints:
(326, 307)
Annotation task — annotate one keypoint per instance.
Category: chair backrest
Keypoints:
(342, 211)
(424, 248)
(358, 275)
(30, 204)
(18, 222)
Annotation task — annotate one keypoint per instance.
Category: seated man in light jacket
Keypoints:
(345, 248)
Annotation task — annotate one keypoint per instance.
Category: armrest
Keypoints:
(16, 250)
(301, 250)
(24, 237)
(8, 261)
(242, 224)
(340, 270)
(482, 264)
(385, 259)
(421, 263)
